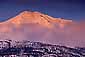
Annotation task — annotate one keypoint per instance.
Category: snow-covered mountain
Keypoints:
(35, 26)
(37, 18)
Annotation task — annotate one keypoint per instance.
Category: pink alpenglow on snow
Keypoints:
(35, 26)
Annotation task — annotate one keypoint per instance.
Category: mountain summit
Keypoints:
(38, 18)
(35, 26)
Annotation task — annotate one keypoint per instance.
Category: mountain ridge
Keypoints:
(35, 26)
(38, 49)
(37, 17)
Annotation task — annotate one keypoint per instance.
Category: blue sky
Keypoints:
(69, 9)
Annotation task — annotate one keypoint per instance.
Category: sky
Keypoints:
(68, 9)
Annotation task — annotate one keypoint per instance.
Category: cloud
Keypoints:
(73, 35)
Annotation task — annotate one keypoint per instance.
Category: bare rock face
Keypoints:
(35, 26)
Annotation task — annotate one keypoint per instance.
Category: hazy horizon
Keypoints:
(41, 27)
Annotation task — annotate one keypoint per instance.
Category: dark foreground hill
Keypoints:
(10, 48)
